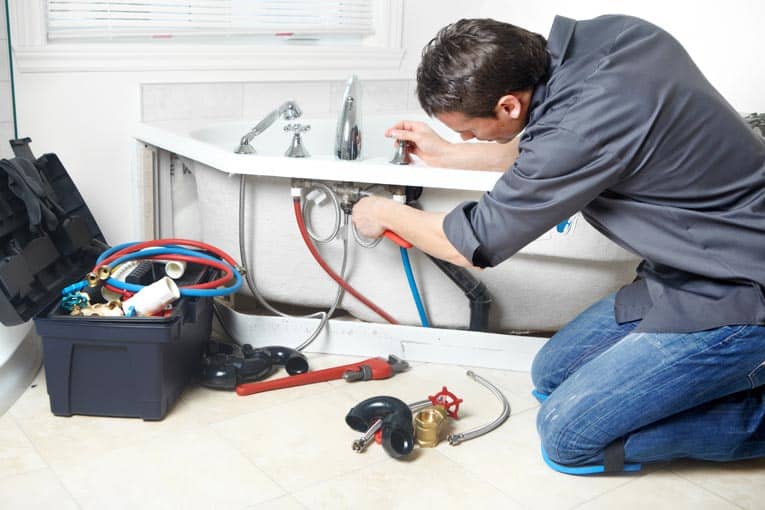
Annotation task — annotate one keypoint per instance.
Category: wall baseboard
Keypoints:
(351, 337)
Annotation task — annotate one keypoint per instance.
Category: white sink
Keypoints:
(319, 140)
(214, 145)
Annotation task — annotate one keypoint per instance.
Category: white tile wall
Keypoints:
(251, 101)
(261, 98)
(6, 133)
(377, 96)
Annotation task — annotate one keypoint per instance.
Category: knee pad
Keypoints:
(613, 463)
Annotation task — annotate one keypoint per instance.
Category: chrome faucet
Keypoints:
(348, 135)
(289, 110)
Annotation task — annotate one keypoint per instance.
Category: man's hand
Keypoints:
(366, 216)
(424, 142)
(435, 151)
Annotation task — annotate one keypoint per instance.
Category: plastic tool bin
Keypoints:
(104, 366)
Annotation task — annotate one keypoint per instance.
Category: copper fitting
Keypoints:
(93, 279)
(428, 425)
(104, 272)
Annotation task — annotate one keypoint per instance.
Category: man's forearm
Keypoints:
(422, 229)
(482, 156)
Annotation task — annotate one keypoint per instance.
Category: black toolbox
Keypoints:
(104, 366)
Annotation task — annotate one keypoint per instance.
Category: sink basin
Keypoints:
(214, 144)
(319, 140)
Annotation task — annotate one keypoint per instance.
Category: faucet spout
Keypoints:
(348, 135)
(289, 110)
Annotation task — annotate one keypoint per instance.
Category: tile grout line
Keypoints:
(288, 492)
(249, 461)
(704, 488)
(45, 461)
(481, 478)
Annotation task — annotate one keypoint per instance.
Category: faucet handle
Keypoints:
(401, 156)
(296, 148)
(298, 128)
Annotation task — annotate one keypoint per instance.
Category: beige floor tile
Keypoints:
(35, 490)
(58, 439)
(428, 480)
(283, 503)
(34, 401)
(192, 469)
(210, 406)
(743, 482)
(658, 491)
(510, 459)
(301, 442)
(17, 455)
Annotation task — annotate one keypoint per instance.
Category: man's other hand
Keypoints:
(424, 142)
(366, 214)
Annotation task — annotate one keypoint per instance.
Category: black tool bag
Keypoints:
(48, 236)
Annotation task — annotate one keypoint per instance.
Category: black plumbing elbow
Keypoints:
(397, 428)
(294, 362)
(226, 365)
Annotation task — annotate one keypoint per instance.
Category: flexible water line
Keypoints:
(304, 233)
(460, 437)
(413, 287)
(324, 316)
(337, 209)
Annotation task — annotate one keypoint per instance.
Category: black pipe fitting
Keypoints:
(293, 361)
(226, 365)
(397, 428)
(476, 292)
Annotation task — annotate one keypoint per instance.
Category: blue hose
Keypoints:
(170, 249)
(413, 287)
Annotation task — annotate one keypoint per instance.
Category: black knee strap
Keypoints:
(613, 457)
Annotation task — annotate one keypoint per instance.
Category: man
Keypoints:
(620, 124)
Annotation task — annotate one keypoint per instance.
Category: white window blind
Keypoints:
(85, 19)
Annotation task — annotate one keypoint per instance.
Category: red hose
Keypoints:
(214, 284)
(304, 233)
(161, 242)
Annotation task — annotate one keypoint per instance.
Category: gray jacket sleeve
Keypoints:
(556, 174)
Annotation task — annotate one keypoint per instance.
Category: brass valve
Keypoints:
(428, 426)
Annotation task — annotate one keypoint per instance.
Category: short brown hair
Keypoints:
(470, 64)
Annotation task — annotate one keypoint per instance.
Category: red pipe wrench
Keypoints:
(368, 369)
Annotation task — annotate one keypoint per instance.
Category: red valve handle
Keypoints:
(448, 400)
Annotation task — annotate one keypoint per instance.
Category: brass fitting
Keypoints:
(428, 425)
(104, 272)
(93, 279)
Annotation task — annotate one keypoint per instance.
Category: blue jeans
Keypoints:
(666, 395)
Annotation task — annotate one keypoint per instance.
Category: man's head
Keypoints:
(479, 71)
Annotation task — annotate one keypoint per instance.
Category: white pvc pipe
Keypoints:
(152, 298)
(175, 268)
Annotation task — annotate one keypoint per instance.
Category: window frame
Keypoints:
(33, 52)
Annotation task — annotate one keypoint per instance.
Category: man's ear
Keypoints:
(509, 105)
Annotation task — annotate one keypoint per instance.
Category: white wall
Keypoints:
(87, 117)
(6, 111)
(725, 39)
